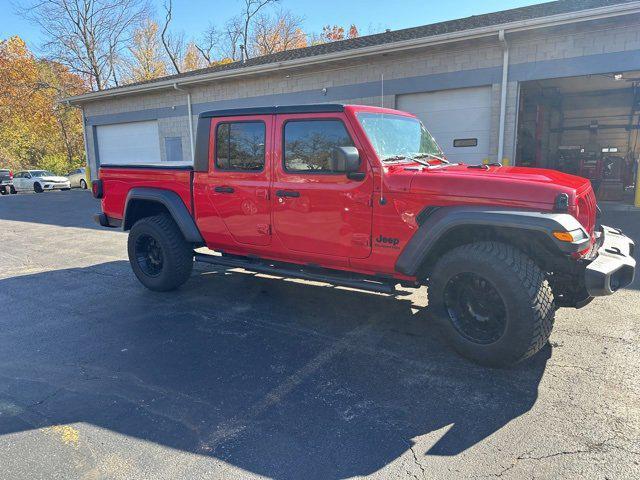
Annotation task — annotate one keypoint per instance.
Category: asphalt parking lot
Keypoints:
(242, 376)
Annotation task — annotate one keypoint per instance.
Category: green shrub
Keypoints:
(59, 163)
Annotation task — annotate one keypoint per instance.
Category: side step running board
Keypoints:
(297, 271)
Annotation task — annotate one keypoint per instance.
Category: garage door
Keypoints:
(125, 143)
(460, 120)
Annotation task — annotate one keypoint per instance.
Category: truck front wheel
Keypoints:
(159, 255)
(495, 304)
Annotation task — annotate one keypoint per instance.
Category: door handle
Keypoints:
(287, 193)
(224, 189)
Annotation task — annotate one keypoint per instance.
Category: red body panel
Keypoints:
(118, 181)
(357, 225)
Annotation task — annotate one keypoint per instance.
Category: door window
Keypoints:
(309, 145)
(240, 146)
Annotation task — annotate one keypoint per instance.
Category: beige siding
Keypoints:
(572, 41)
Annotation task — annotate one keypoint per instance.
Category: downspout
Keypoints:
(190, 113)
(503, 93)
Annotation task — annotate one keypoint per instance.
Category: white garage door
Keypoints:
(460, 120)
(125, 143)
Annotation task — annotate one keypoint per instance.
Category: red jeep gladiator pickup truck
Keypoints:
(363, 197)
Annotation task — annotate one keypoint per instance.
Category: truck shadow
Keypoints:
(279, 378)
(73, 208)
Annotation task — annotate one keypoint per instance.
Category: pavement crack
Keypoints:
(590, 448)
(417, 462)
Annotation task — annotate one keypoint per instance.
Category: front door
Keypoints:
(316, 209)
(237, 184)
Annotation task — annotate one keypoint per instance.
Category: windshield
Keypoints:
(41, 173)
(397, 136)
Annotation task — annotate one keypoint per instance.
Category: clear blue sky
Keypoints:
(193, 16)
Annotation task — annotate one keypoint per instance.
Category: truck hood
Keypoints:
(512, 186)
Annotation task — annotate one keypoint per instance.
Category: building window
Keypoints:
(173, 149)
(309, 145)
(240, 146)
(465, 142)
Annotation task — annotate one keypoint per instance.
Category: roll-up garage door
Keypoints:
(460, 120)
(128, 143)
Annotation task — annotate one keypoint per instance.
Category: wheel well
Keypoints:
(534, 244)
(139, 208)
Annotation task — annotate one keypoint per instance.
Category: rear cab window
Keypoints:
(240, 146)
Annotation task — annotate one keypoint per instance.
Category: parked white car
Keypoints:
(39, 181)
(78, 178)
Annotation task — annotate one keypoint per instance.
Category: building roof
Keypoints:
(389, 38)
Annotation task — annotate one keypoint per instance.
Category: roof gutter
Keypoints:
(518, 26)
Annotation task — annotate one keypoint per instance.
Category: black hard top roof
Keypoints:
(277, 109)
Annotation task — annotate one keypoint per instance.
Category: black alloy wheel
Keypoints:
(475, 308)
(148, 254)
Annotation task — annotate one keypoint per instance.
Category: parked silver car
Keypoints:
(78, 178)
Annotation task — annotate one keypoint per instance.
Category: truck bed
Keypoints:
(118, 180)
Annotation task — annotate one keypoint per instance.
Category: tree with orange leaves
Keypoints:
(35, 129)
(334, 33)
(278, 33)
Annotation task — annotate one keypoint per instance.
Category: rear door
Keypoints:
(23, 182)
(317, 210)
(17, 178)
(237, 183)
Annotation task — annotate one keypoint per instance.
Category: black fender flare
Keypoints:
(172, 202)
(435, 222)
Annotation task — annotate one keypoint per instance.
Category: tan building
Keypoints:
(520, 86)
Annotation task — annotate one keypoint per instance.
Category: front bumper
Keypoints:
(56, 186)
(613, 266)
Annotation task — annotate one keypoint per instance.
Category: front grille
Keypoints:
(586, 204)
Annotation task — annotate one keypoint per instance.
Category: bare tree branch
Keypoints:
(86, 35)
(210, 41)
(277, 33)
(172, 45)
(251, 9)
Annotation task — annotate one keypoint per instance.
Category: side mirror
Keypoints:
(345, 159)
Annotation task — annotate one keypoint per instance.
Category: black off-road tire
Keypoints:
(526, 295)
(177, 253)
(37, 188)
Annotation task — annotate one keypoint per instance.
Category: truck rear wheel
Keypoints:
(159, 255)
(495, 304)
